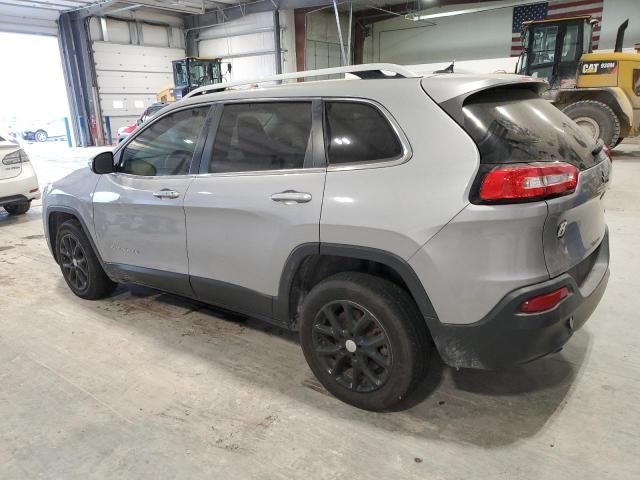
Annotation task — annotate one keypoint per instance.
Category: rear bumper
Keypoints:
(21, 188)
(506, 337)
(12, 199)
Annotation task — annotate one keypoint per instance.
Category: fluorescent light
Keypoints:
(439, 13)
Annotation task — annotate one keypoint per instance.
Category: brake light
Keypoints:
(544, 302)
(13, 158)
(534, 181)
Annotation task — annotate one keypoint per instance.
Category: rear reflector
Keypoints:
(524, 182)
(544, 302)
(33, 190)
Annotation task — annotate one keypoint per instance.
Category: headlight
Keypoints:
(19, 156)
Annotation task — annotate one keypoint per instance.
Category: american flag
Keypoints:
(554, 10)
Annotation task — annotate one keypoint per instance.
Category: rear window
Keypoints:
(517, 126)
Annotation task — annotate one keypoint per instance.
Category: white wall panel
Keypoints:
(25, 19)
(246, 43)
(117, 31)
(484, 35)
(155, 35)
(288, 41)
(613, 14)
(322, 42)
(463, 37)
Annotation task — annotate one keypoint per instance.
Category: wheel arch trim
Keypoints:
(394, 262)
(76, 214)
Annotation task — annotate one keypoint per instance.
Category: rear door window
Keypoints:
(262, 136)
(357, 132)
(517, 126)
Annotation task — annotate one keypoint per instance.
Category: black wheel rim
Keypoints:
(352, 346)
(74, 262)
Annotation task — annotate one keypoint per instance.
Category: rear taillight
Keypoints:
(542, 303)
(19, 156)
(528, 182)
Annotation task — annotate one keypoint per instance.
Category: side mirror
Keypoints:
(139, 122)
(102, 163)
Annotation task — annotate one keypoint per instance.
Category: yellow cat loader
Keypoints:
(190, 73)
(600, 91)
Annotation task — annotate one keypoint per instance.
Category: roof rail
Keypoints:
(366, 71)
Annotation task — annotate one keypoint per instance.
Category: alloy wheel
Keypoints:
(352, 346)
(74, 262)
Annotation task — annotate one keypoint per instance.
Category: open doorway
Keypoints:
(34, 110)
(33, 98)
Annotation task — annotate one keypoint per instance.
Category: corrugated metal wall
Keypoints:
(132, 64)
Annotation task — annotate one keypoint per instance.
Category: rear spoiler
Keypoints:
(451, 93)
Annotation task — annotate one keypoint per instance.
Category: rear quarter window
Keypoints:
(357, 132)
(517, 126)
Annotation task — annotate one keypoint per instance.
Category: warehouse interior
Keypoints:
(148, 384)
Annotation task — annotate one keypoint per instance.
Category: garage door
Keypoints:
(36, 17)
(132, 63)
(248, 44)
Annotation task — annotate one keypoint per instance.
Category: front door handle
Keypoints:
(166, 193)
(291, 196)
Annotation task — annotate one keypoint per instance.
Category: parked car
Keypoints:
(18, 180)
(379, 218)
(149, 112)
(43, 131)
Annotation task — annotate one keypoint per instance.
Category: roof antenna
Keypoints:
(449, 69)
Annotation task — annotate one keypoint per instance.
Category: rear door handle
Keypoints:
(166, 193)
(291, 196)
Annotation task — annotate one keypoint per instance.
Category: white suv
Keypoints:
(378, 217)
(18, 180)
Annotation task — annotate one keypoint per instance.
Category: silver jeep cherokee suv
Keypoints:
(380, 217)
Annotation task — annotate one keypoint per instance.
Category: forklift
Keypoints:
(190, 73)
(600, 91)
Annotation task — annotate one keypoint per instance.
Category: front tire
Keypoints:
(41, 136)
(79, 264)
(18, 208)
(597, 118)
(364, 339)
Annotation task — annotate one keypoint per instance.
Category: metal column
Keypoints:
(276, 41)
(344, 55)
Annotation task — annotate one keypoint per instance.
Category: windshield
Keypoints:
(202, 73)
(517, 126)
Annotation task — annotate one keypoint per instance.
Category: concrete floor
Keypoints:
(147, 385)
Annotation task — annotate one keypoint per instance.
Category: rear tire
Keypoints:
(18, 208)
(597, 118)
(41, 136)
(79, 264)
(364, 339)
